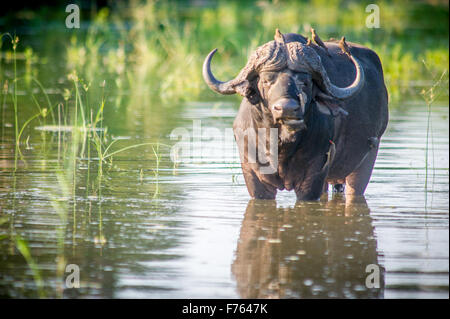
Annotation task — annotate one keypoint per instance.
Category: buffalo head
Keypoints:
(282, 78)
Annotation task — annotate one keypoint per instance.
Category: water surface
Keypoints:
(191, 230)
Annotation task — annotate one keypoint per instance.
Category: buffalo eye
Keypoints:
(300, 78)
(268, 77)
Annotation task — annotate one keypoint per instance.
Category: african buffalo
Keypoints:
(328, 104)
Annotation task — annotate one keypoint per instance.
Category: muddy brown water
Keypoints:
(191, 231)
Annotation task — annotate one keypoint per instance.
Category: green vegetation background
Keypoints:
(157, 47)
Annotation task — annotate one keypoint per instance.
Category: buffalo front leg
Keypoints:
(312, 187)
(259, 169)
(260, 186)
(357, 181)
(314, 183)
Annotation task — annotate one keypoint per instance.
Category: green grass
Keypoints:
(163, 50)
(430, 95)
(156, 48)
(22, 246)
(85, 130)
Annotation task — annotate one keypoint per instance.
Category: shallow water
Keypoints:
(191, 230)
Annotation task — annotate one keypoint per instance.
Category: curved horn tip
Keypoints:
(210, 54)
(213, 83)
(207, 62)
(355, 87)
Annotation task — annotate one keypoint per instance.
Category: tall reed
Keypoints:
(430, 95)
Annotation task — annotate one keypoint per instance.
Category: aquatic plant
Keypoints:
(430, 95)
(22, 246)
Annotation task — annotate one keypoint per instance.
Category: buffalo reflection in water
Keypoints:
(313, 250)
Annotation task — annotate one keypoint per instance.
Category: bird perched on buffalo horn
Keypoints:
(344, 47)
(279, 37)
(318, 41)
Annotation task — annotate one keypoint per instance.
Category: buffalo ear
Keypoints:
(248, 90)
(323, 108)
(327, 104)
(323, 102)
(330, 107)
(319, 94)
